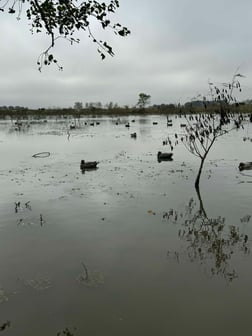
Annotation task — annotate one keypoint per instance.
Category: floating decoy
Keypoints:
(88, 164)
(245, 165)
(164, 156)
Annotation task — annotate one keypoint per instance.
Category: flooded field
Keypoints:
(123, 249)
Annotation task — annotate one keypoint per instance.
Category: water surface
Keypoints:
(107, 251)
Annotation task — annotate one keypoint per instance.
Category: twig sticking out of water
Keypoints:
(5, 325)
(27, 205)
(41, 220)
(17, 206)
(85, 278)
(20, 221)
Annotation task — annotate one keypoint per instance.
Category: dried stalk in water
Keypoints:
(86, 271)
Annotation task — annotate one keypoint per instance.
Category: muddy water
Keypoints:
(114, 251)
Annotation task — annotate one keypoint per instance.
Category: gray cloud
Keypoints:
(175, 46)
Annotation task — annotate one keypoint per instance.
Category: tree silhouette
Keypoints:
(220, 116)
(143, 100)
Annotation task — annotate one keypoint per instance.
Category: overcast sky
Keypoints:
(175, 47)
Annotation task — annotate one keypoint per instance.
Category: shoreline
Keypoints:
(116, 112)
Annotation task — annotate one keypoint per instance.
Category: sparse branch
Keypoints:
(189, 149)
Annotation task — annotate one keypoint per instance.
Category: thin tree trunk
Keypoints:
(202, 209)
(197, 181)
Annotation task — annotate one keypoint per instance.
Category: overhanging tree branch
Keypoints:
(64, 18)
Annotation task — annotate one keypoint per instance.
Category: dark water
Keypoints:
(122, 250)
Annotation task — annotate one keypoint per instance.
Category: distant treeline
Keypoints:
(167, 109)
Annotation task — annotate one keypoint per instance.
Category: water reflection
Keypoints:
(84, 170)
(210, 241)
(166, 159)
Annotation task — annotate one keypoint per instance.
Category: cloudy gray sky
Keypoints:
(174, 48)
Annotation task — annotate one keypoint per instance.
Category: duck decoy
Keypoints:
(88, 164)
(164, 156)
(245, 165)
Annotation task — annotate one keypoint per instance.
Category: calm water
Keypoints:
(113, 251)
